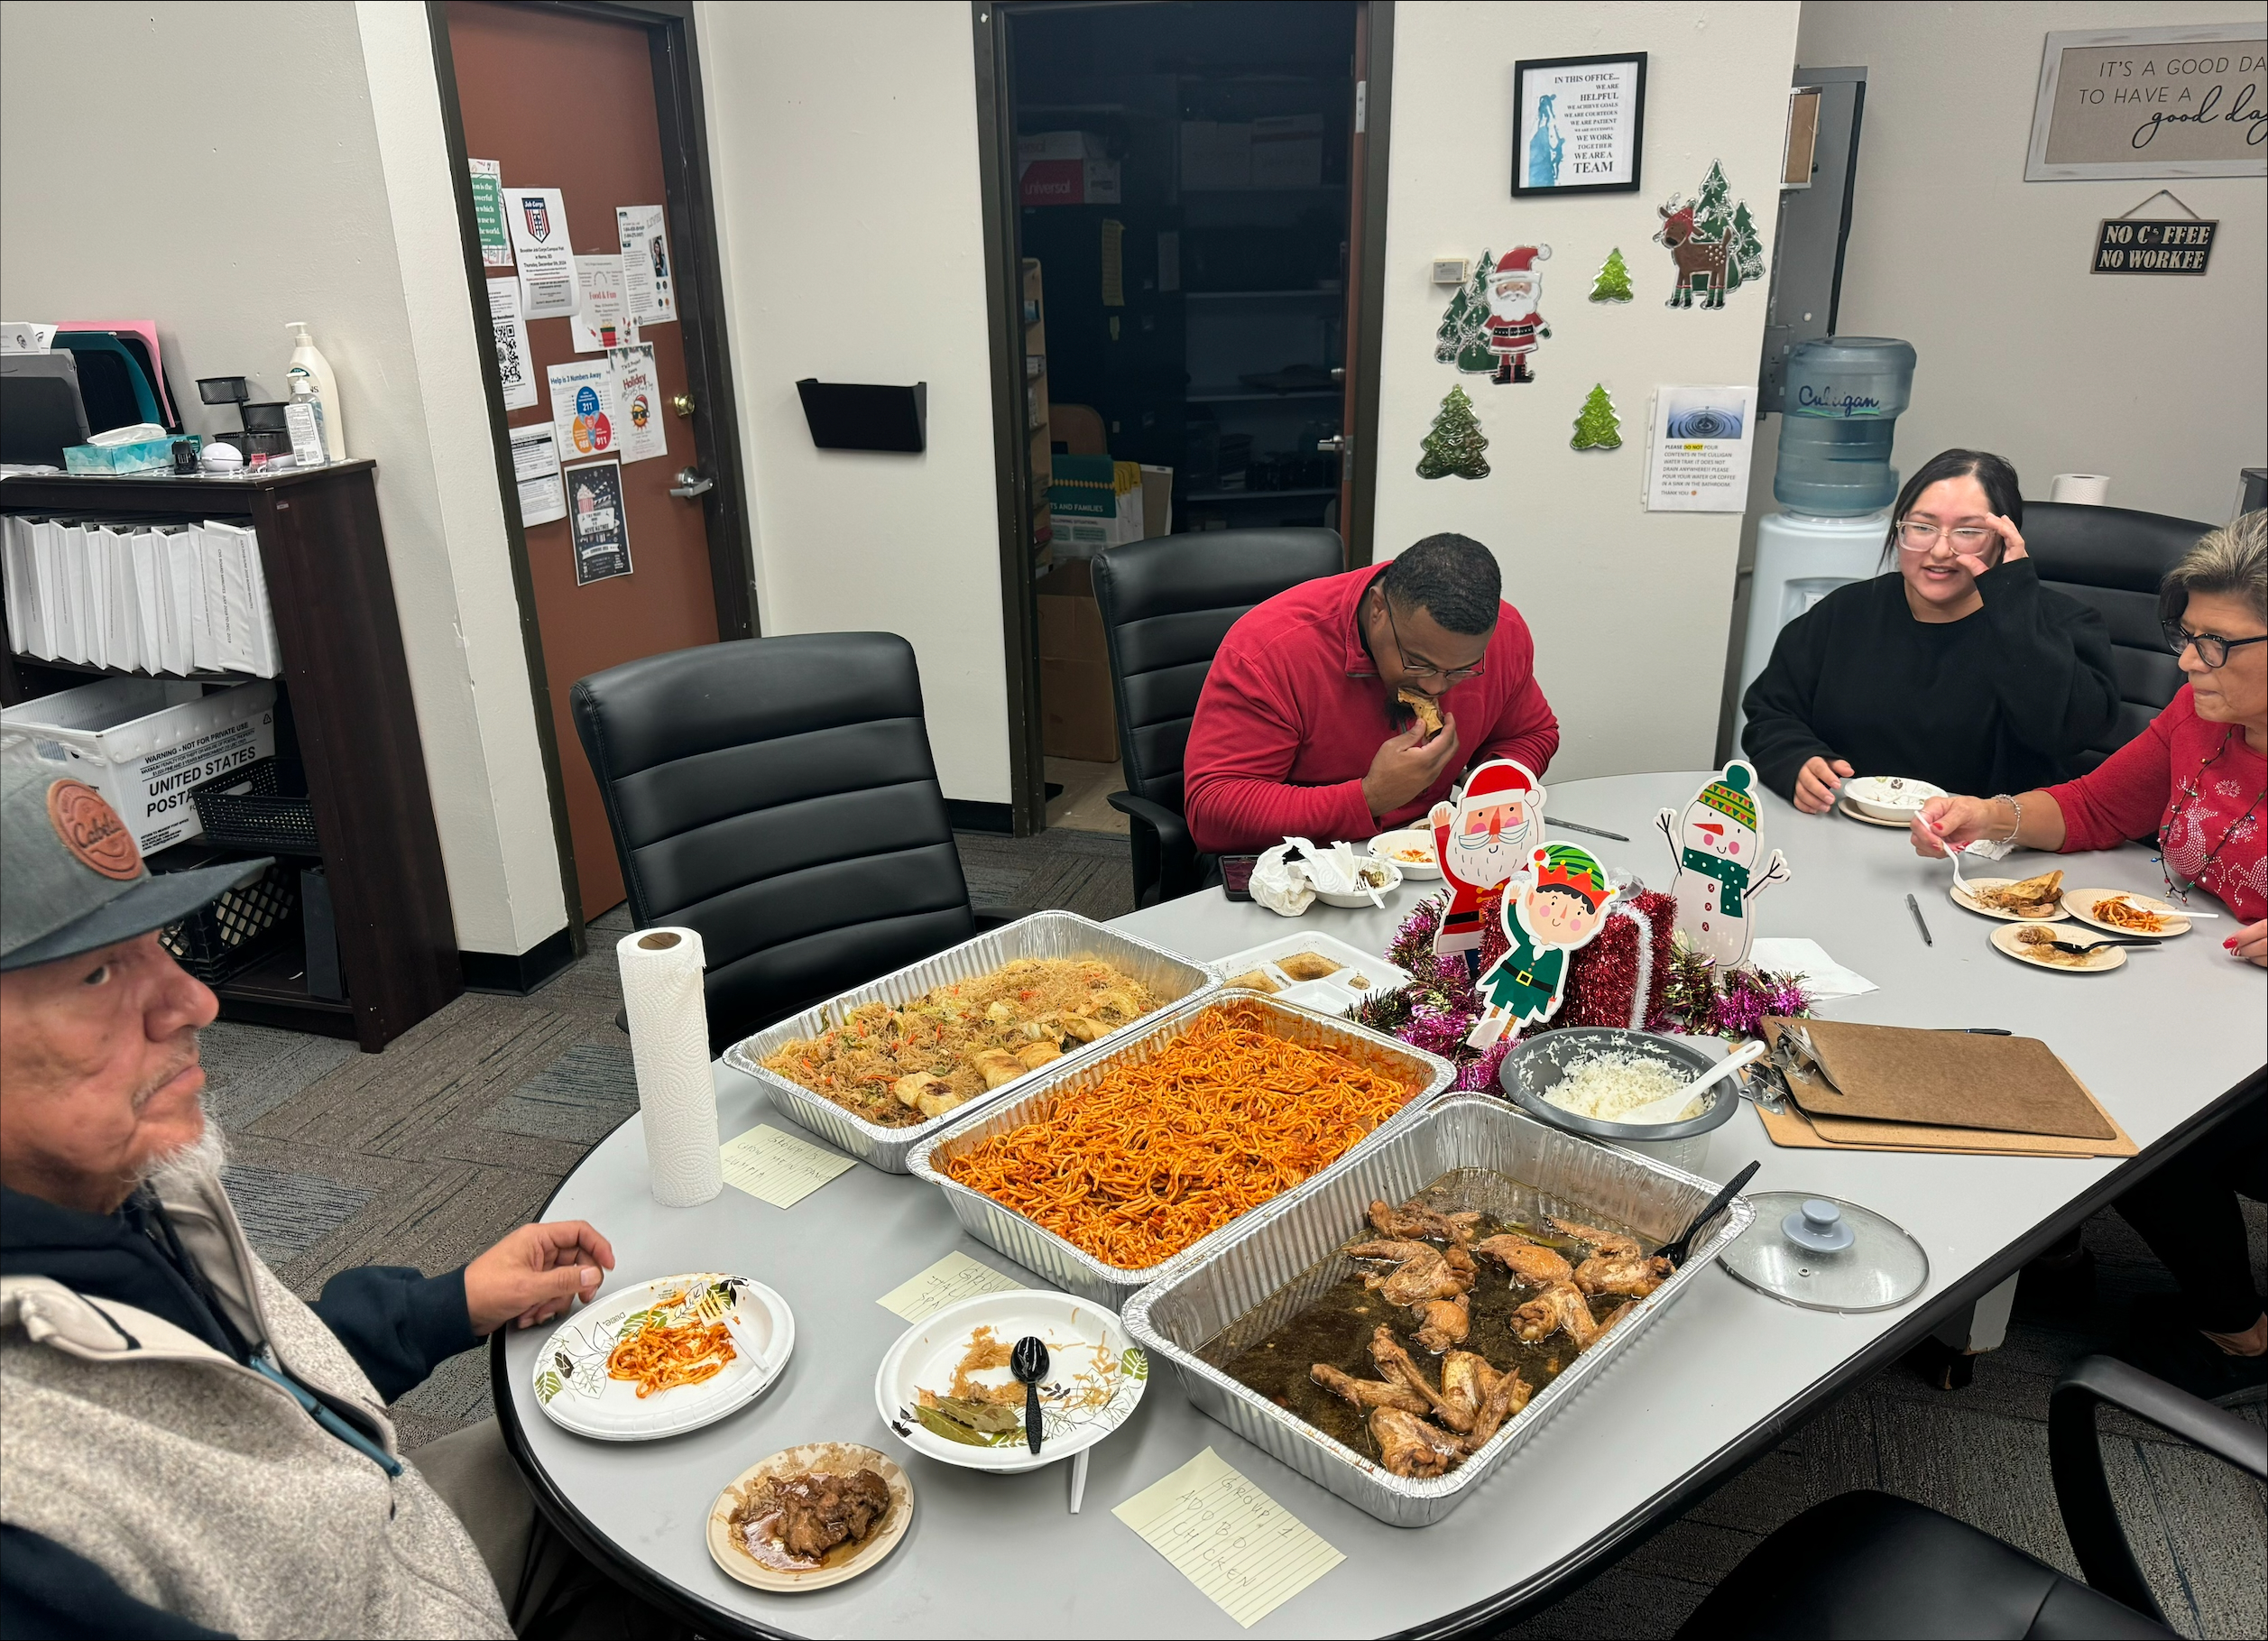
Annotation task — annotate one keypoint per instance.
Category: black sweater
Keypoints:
(2000, 701)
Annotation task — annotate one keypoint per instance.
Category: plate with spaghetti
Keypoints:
(2122, 911)
(663, 1357)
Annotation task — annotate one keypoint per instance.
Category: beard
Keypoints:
(1491, 861)
(206, 1153)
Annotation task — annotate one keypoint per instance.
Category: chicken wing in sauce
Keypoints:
(1411, 1221)
(1603, 1274)
(1560, 1308)
(1605, 1242)
(1368, 1392)
(1443, 1323)
(1531, 1262)
(1420, 1273)
(1503, 1400)
(1409, 1446)
(1395, 1364)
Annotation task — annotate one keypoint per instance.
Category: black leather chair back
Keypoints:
(2112, 559)
(777, 796)
(1166, 603)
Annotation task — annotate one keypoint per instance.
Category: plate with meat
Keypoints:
(2014, 900)
(2043, 949)
(810, 1516)
(945, 1388)
(2122, 911)
(663, 1357)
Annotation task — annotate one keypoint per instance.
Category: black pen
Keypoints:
(1915, 907)
(1553, 820)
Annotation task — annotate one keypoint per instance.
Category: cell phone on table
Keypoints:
(1236, 875)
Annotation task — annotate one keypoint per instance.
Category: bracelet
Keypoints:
(2010, 800)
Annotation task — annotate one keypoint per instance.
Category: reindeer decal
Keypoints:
(1700, 263)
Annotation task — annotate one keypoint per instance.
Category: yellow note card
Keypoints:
(950, 1280)
(1246, 1552)
(776, 1167)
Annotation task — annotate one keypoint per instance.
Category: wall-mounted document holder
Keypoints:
(849, 415)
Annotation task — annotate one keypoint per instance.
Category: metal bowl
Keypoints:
(1538, 1065)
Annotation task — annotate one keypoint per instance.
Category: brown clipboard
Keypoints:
(1792, 1129)
(1944, 1080)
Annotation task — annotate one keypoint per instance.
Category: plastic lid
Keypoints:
(1878, 353)
(1879, 1268)
(1818, 1226)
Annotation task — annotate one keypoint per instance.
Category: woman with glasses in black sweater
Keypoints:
(1956, 668)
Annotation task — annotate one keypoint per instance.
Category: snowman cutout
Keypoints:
(1721, 865)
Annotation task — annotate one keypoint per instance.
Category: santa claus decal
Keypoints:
(1513, 326)
(1480, 844)
(1721, 865)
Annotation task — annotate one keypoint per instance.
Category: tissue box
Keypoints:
(149, 455)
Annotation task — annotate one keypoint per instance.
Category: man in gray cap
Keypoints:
(186, 1448)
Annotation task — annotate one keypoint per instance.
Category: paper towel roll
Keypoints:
(669, 1043)
(2080, 488)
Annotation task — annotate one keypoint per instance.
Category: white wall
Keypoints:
(1630, 609)
(842, 140)
(257, 222)
(2157, 381)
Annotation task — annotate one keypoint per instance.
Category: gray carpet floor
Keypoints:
(424, 1154)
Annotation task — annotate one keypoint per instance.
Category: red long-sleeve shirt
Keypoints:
(2135, 792)
(1293, 711)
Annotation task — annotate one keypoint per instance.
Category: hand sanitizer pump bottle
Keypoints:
(308, 362)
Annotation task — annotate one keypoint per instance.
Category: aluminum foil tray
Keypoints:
(1073, 1269)
(1256, 1273)
(1055, 934)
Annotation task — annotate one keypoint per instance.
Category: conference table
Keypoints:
(2168, 1043)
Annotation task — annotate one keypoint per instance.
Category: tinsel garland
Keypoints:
(1639, 950)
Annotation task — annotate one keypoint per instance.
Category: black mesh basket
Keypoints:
(275, 818)
(238, 929)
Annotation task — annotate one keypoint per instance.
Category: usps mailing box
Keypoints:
(145, 745)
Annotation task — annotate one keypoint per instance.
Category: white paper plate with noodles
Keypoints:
(574, 1382)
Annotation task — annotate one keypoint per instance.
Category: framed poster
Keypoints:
(600, 522)
(2132, 103)
(1578, 124)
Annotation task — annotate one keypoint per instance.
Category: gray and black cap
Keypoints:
(71, 877)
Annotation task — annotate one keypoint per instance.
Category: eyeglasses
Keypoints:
(1968, 539)
(1422, 669)
(2211, 648)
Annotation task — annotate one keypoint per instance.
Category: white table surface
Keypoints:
(2159, 1041)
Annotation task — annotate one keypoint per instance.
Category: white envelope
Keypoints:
(229, 611)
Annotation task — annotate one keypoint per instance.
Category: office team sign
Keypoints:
(2164, 102)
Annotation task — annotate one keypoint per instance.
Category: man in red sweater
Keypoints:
(1299, 734)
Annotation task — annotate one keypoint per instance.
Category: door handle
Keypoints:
(691, 484)
(1338, 444)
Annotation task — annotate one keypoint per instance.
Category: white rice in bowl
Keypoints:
(1605, 1086)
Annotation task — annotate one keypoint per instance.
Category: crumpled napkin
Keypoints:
(1283, 880)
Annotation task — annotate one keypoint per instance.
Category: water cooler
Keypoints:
(1834, 481)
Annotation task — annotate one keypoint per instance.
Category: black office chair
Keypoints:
(2112, 559)
(1166, 603)
(1870, 1564)
(777, 796)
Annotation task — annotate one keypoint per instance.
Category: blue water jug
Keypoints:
(1844, 397)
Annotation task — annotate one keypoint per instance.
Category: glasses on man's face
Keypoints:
(2212, 649)
(1969, 540)
(1423, 670)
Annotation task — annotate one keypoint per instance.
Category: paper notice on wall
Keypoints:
(583, 410)
(1698, 459)
(649, 281)
(599, 520)
(488, 213)
(638, 429)
(536, 217)
(599, 321)
(535, 465)
(512, 344)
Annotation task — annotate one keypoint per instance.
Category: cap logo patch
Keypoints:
(91, 830)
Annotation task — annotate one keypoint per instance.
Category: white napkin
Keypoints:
(1283, 886)
(1824, 977)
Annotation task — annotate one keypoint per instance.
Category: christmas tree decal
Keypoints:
(1455, 444)
(1597, 427)
(1718, 217)
(1462, 337)
(1746, 261)
(1614, 280)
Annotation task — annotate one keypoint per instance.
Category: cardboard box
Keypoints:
(145, 745)
(1068, 182)
(1060, 146)
(1076, 716)
(1287, 151)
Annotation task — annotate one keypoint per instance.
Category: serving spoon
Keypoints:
(1667, 1108)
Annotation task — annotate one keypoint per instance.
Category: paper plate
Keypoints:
(1844, 806)
(1970, 905)
(1893, 798)
(1413, 838)
(2080, 904)
(2101, 962)
(728, 1550)
(570, 1378)
(1393, 881)
(1095, 1375)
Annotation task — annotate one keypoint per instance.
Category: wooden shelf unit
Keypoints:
(345, 682)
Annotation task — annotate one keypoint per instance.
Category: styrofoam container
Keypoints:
(1333, 993)
(146, 745)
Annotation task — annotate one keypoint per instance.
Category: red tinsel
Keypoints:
(1603, 977)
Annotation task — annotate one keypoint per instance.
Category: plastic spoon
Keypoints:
(1028, 1362)
(1667, 1108)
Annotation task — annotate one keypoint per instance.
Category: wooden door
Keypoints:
(564, 100)
(1350, 351)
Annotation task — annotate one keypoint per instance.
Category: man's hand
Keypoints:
(2251, 943)
(535, 1273)
(1406, 766)
(1815, 784)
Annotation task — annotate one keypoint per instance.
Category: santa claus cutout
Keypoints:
(1515, 327)
(1721, 865)
(1561, 906)
(1480, 844)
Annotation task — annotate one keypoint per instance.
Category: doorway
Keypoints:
(1188, 205)
(601, 103)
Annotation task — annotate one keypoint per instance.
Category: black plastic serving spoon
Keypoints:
(1028, 1362)
(1675, 1252)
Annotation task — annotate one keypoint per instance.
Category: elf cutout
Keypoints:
(1721, 865)
(1557, 908)
(1515, 327)
(1480, 844)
